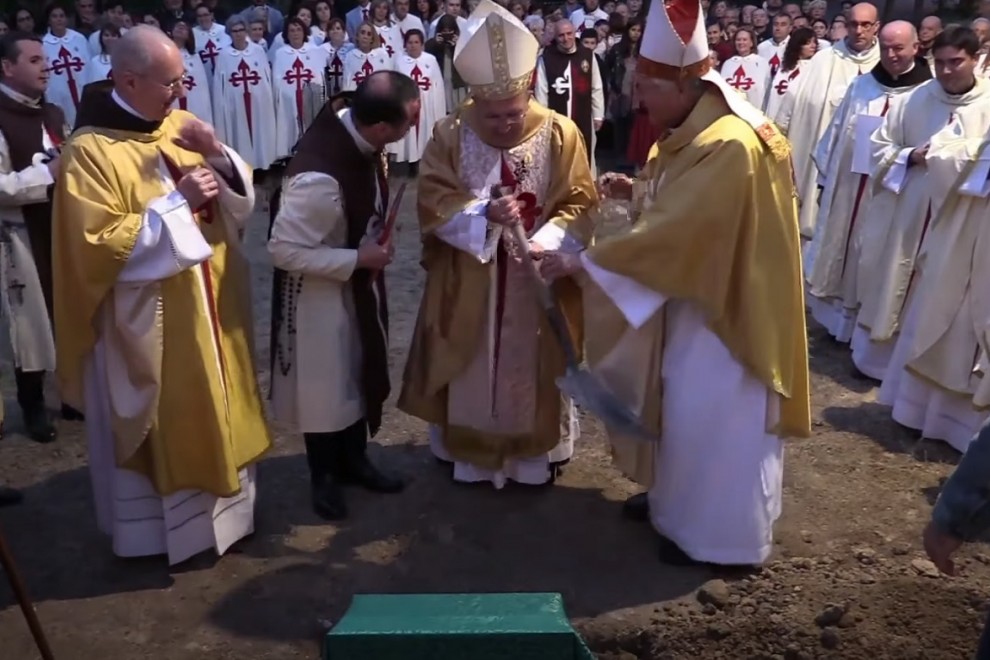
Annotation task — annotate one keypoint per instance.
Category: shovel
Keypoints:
(587, 391)
(20, 591)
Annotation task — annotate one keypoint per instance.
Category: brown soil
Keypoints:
(847, 579)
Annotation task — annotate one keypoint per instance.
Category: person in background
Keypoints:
(442, 47)
(620, 67)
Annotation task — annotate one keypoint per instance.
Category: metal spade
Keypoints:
(587, 390)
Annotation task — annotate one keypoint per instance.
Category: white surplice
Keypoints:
(359, 65)
(900, 212)
(831, 258)
(209, 43)
(433, 104)
(297, 78)
(68, 57)
(244, 108)
(938, 371)
(199, 98)
(778, 88)
(749, 76)
(716, 475)
(807, 110)
(98, 69)
(141, 522)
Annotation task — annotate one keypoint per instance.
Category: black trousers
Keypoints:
(334, 452)
(30, 390)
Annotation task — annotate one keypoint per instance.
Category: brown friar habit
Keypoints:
(22, 127)
(328, 148)
(569, 78)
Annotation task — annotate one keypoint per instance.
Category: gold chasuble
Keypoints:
(192, 415)
(720, 229)
(454, 314)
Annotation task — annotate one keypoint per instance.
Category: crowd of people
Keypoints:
(850, 159)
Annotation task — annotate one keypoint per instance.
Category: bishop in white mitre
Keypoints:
(244, 107)
(425, 71)
(831, 258)
(297, 79)
(365, 58)
(210, 38)
(747, 72)
(68, 57)
(930, 380)
(807, 110)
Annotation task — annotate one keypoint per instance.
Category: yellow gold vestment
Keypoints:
(722, 231)
(452, 313)
(201, 418)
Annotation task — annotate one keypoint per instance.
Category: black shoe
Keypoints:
(328, 498)
(360, 471)
(70, 414)
(671, 554)
(10, 496)
(39, 425)
(637, 508)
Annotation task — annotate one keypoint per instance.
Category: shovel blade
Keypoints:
(590, 394)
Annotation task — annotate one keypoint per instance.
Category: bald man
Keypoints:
(569, 82)
(809, 106)
(152, 311)
(930, 27)
(843, 160)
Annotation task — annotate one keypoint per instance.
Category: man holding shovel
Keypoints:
(696, 316)
(483, 362)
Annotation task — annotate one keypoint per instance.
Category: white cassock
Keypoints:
(778, 88)
(911, 296)
(831, 257)
(141, 522)
(359, 65)
(735, 526)
(98, 69)
(244, 108)
(749, 76)
(68, 57)
(409, 22)
(335, 67)
(391, 39)
(198, 99)
(773, 54)
(297, 77)
(807, 110)
(209, 43)
(425, 71)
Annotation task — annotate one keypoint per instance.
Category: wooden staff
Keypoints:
(17, 584)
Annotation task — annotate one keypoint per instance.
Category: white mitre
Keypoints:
(495, 54)
(674, 46)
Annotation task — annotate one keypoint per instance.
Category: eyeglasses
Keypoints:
(864, 24)
(175, 86)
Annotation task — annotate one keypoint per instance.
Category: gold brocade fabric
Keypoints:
(190, 420)
(723, 233)
(452, 314)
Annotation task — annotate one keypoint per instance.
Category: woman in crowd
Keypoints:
(424, 69)
(442, 48)
(801, 47)
(337, 47)
(620, 65)
(297, 74)
(365, 58)
(197, 99)
(746, 71)
(99, 66)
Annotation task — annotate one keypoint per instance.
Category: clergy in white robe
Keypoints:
(152, 312)
(746, 72)
(244, 107)
(365, 58)
(425, 72)
(703, 337)
(209, 38)
(937, 359)
(831, 258)
(482, 364)
(808, 108)
(297, 78)
(68, 55)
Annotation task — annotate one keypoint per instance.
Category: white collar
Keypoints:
(20, 98)
(123, 104)
(348, 122)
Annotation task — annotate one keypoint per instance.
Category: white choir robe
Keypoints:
(68, 56)
(359, 65)
(391, 39)
(199, 97)
(831, 257)
(139, 520)
(749, 76)
(98, 69)
(716, 476)
(773, 54)
(409, 22)
(244, 107)
(335, 67)
(807, 110)
(425, 71)
(297, 78)
(209, 43)
(901, 214)
(778, 89)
